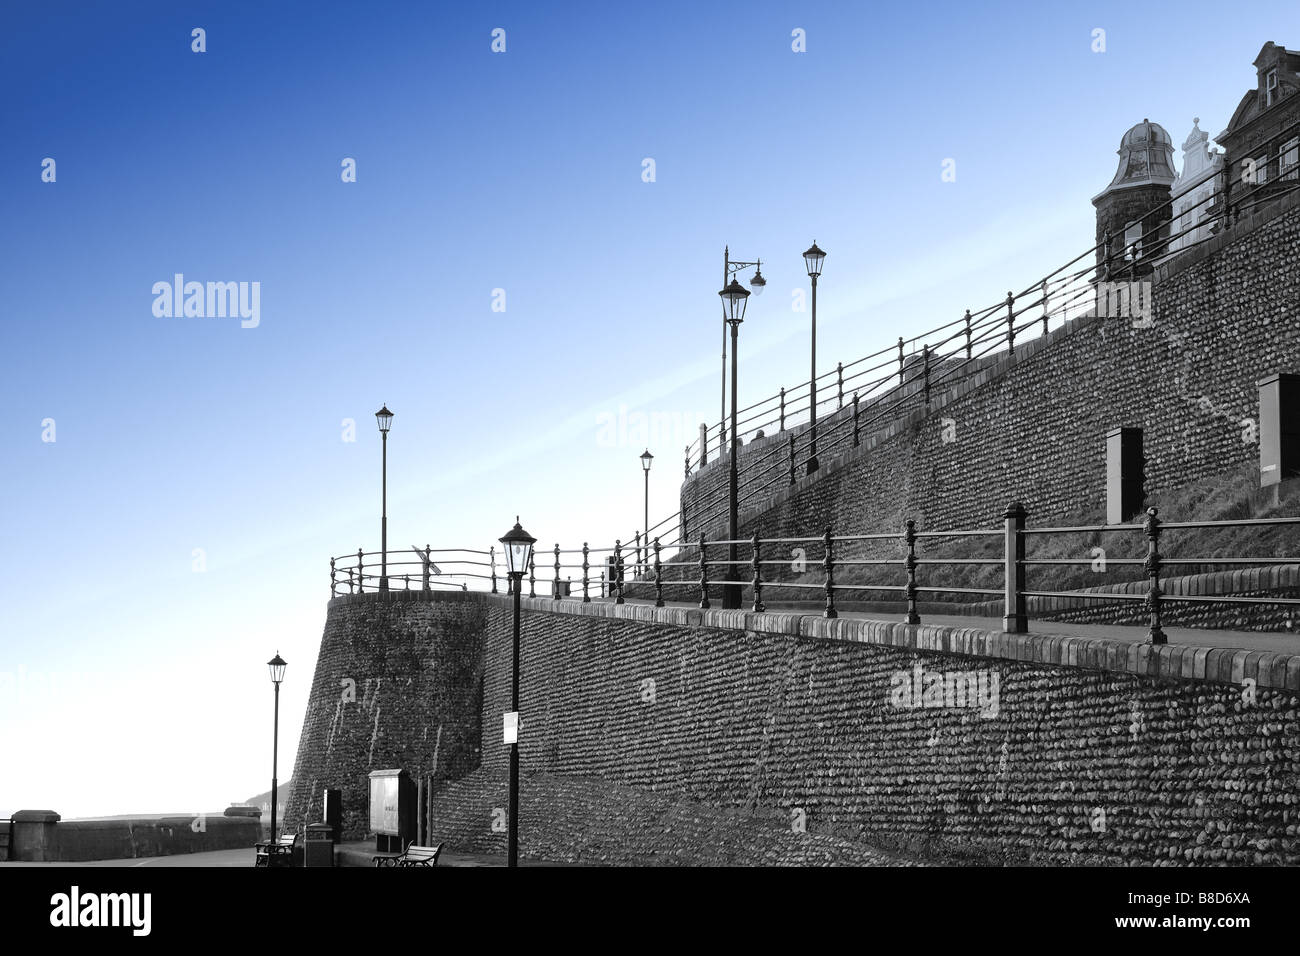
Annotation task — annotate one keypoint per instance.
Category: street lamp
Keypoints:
(646, 459)
(813, 259)
(277, 665)
(385, 419)
(518, 546)
(758, 284)
(734, 298)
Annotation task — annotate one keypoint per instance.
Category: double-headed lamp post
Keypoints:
(813, 259)
(758, 284)
(734, 298)
(277, 665)
(646, 459)
(385, 419)
(518, 546)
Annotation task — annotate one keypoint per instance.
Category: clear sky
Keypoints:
(132, 672)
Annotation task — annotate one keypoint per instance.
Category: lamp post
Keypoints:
(734, 298)
(385, 419)
(758, 284)
(813, 259)
(277, 665)
(646, 459)
(518, 546)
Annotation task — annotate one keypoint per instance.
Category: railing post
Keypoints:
(428, 563)
(351, 589)
(722, 438)
(856, 442)
(1151, 526)
(616, 585)
(925, 372)
(839, 371)
(407, 579)
(900, 360)
(968, 333)
(361, 575)
(492, 557)
(555, 591)
(909, 537)
(792, 464)
(1105, 256)
(331, 577)
(1014, 619)
(704, 575)
(756, 565)
(659, 577)
(586, 596)
(704, 444)
(1011, 322)
(828, 562)
(636, 573)
(1044, 308)
(782, 428)
(1227, 196)
(687, 470)
(532, 576)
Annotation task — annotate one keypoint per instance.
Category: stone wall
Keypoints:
(1088, 751)
(397, 684)
(1031, 427)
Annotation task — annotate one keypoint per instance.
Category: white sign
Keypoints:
(512, 727)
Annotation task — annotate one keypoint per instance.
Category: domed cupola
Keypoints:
(1133, 208)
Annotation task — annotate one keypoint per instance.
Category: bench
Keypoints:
(412, 856)
(279, 853)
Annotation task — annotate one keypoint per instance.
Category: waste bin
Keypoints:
(318, 845)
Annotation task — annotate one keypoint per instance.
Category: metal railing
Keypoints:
(608, 572)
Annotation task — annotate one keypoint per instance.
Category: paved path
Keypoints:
(1281, 642)
(220, 858)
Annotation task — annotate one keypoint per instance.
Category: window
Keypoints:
(1289, 167)
(1133, 240)
(1270, 87)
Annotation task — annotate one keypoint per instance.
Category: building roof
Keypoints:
(1255, 102)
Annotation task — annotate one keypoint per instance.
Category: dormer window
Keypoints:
(1270, 88)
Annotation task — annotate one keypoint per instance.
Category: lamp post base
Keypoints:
(731, 597)
(812, 464)
(383, 585)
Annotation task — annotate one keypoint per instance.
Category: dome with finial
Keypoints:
(1146, 158)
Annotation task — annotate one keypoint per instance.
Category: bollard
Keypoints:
(909, 538)
(704, 576)
(1014, 619)
(659, 577)
(586, 596)
(1151, 526)
(829, 564)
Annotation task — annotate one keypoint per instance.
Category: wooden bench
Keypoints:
(412, 856)
(279, 853)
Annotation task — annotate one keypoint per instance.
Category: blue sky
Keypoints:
(135, 683)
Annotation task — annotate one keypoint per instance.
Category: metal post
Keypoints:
(616, 572)
(275, 758)
(829, 564)
(331, 577)
(909, 538)
(492, 556)
(383, 536)
(1151, 526)
(1011, 323)
(792, 463)
(1105, 256)
(1044, 308)
(428, 552)
(704, 575)
(731, 591)
(1227, 196)
(636, 561)
(659, 577)
(555, 591)
(512, 838)
(968, 333)
(1014, 620)
(532, 576)
(782, 428)
(925, 373)
(839, 372)
(350, 582)
(704, 444)
(722, 420)
(361, 577)
(757, 582)
(586, 597)
(646, 516)
(900, 360)
(812, 390)
(855, 420)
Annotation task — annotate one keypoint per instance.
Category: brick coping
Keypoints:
(1167, 661)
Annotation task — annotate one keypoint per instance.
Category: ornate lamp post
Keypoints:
(734, 298)
(277, 665)
(518, 547)
(646, 459)
(385, 419)
(813, 259)
(758, 284)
